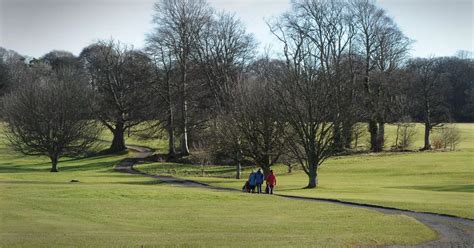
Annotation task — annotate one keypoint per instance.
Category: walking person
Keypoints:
(252, 181)
(271, 181)
(259, 180)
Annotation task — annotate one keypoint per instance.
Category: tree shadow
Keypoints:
(32, 182)
(88, 164)
(444, 188)
(152, 182)
(10, 168)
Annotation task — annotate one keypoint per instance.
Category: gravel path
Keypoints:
(453, 231)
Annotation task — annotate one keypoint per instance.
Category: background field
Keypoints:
(42, 209)
(441, 182)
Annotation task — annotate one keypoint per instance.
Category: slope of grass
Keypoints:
(441, 182)
(160, 145)
(106, 208)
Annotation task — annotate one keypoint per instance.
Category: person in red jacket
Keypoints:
(271, 181)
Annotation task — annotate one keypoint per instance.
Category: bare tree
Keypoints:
(406, 130)
(261, 131)
(49, 115)
(316, 35)
(451, 136)
(164, 86)
(446, 136)
(427, 91)
(227, 140)
(180, 23)
(220, 54)
(249, 127)
(224, 51)
(121, 78)
(358, 132)
(383, 47)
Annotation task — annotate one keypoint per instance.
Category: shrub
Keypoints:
(405, 135)
(437, 142)
(447, 137)
(358, 132)
(452, 136)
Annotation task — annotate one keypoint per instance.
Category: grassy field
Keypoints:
(441, 182)
(106, 208)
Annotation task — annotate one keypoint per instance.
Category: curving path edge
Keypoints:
(452, 231)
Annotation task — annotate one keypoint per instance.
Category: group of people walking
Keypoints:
(255, 181)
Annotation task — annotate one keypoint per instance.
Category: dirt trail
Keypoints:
(453, 231)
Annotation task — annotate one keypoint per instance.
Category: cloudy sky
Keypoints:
(34, 27)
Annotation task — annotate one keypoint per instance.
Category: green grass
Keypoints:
(106, 208)
(441, 182)
(467, 134)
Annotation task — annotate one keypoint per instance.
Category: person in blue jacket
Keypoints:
(259, 178)
(252, 181)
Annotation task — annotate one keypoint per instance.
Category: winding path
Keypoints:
(453, 231)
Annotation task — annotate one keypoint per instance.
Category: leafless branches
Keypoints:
(121, 78)
(48, 114)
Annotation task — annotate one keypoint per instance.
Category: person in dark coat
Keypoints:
(252, 181)
(259, 178)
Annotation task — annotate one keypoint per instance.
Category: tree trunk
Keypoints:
(347, 134)
(427, 145)
(266, 171)
(265, 165)
(171, 141)
(118, 142)
(396, 138)
(313, 179)
(184, 138)
(54, 163)
(313, 171)
(338, 138)
(238, 173)
(171, 149)
(373, 130)
(171, 145)
(381, 137)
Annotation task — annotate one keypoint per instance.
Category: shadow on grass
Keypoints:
(80, 164)
(10, 168)
(118, 175)
(33, 182)
(446, 188)
(152, 182)
(291, 189)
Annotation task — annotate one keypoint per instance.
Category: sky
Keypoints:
(35, 27)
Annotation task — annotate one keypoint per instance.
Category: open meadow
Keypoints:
(438, 182)
(39, 208)
(107, 208)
